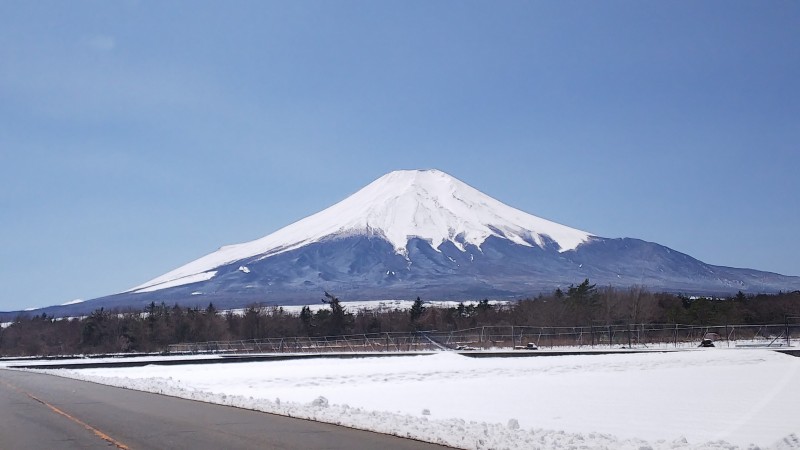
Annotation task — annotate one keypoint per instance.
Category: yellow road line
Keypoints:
(94, 430)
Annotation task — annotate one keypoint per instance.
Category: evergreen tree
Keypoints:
(417, 309)
(583, 293)
(337, 321)
(305, 319)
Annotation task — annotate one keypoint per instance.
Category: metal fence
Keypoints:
(383, 342)
(628, 336)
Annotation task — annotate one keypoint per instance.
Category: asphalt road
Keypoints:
(46, 412)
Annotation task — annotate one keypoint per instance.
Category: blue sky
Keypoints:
(136, 136)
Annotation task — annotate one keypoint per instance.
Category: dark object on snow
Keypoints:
(706, 343)
(530, 346)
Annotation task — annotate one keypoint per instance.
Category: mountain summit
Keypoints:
(424, 233)
(407, 204)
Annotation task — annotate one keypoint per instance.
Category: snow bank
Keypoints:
(701, 399)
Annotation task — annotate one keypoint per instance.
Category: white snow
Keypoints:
(711, 398)
(374, 305)
(405, 204)
(72, 302)
(188, 279)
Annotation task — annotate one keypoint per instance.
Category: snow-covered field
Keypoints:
(710, 398)
(376, 305)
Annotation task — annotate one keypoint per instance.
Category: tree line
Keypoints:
(159, 324)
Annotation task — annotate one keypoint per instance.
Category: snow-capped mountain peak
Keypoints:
(436, 207)
(401, 205)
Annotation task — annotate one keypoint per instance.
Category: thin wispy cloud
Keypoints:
(101, 43)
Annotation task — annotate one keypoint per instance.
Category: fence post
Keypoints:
(629, 336)
(727, 339)
(676, 335)
(788, 341)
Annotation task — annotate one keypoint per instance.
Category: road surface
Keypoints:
(40, 411)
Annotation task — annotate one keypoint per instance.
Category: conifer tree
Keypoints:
(417, 309)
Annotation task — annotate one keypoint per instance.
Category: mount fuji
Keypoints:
(425, 233)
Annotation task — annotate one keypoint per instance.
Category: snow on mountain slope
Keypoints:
(426, 204)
